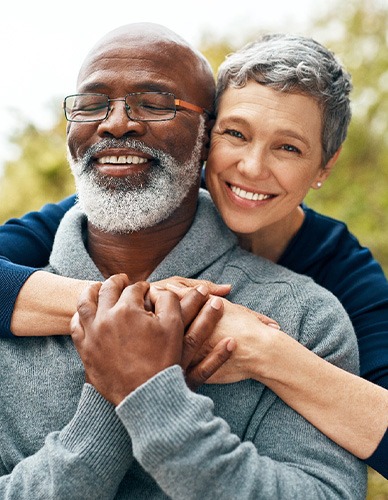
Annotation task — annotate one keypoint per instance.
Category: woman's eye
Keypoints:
(234, 133)
(290, 148)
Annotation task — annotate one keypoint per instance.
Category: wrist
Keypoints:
(268, 363)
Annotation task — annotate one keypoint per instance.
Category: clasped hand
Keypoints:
(125, 334)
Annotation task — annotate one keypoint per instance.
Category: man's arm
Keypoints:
(189, 451)
(193, 454)
(87, 459)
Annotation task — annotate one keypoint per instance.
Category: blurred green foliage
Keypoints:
(40, 173)
(357, 191)
(357, 31)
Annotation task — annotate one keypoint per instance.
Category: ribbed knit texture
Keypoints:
(227, 442)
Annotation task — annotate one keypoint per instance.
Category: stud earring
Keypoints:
(319, 184)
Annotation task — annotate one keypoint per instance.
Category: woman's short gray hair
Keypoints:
(295, 64)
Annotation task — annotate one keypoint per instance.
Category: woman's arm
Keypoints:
(350, 410)
(45, 305)
(25, 245)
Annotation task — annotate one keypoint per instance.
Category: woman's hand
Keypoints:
(181, 286)
(255, 336)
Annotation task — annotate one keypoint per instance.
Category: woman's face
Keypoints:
(265, 154)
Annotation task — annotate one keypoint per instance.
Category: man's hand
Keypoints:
(200, 329)
(121, 343)
(125, 334)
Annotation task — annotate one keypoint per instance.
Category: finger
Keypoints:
(193, 302)
(167, 308)
(201, 329)
(111, 291)
(76, 329)
(268, 321)
(136, 296)
(199, 374)
(181, 286)
(261, 317)
(87, 303)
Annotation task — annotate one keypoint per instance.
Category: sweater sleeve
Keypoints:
(25, 245)
(87, 459)
(192, 454)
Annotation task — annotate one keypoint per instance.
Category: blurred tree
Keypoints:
(357, 191)
(40, 173)
(357, 31)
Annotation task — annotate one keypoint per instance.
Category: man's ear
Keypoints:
(325, 172)
(206, 141)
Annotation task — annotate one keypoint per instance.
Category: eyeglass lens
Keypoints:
(146, 106)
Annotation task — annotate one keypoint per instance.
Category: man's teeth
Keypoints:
(247, 195)
(122, 159)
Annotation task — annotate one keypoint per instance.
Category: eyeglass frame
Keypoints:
(177, 102)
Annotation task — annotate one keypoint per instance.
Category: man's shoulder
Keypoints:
(258, 282)
(260, 270)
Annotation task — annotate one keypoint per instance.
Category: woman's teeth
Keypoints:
(248, 195)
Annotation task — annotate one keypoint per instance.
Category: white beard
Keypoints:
(114, 205)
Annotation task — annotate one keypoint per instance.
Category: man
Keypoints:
(136, 430)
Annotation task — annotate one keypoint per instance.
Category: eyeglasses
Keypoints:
(140, 106)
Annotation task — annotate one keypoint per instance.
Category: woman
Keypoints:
(278, 102)
(282, 115)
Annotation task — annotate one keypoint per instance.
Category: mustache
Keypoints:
(126, 143)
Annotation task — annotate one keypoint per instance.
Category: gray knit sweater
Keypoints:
(59, 439)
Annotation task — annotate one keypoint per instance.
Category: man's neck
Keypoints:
(138, 254)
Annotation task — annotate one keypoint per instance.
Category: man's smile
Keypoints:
(129, 159)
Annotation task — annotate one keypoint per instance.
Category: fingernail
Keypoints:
(230, 346)
(274, 325)
(203, 290)
(216, 303)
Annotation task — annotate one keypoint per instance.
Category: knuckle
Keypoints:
(191, 342)
(83, 308)
(206, 372)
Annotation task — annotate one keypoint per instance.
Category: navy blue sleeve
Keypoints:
(379, 460)
(25, 245)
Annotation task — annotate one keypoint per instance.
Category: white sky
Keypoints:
(43, 42)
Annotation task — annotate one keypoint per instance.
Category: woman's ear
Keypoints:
(326, 170)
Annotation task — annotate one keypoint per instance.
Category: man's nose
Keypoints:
(118, 123)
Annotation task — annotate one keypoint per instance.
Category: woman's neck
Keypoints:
(271, 242)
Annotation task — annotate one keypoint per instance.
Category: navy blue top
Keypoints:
(323, 249)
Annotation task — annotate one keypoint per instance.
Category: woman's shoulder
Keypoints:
(324, 243)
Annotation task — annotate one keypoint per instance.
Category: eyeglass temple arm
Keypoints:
(192, 107)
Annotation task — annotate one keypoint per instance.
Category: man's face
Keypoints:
(131, 175)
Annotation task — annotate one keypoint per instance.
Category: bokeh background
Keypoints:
(44, 42)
